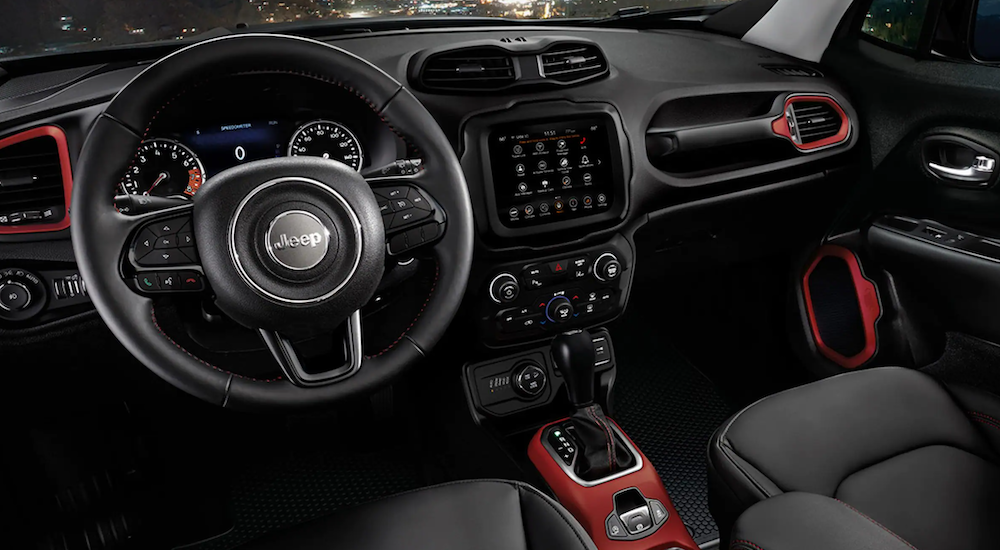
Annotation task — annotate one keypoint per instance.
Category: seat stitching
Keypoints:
(984, 419)
(883, 527)
(744, 542)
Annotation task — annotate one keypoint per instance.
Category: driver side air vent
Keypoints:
(471, 69)
(573, 62)
(35, 181)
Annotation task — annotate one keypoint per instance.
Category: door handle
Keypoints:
(980, 172)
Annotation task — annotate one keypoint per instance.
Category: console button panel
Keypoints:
(524, 381)
(537, 300)
(634, 516)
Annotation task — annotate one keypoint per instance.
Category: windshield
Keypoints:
(36, 27)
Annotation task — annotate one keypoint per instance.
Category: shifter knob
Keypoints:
(573, 353)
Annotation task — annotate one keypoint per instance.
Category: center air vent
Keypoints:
(471, 69)
(573, 62)
(34, 181)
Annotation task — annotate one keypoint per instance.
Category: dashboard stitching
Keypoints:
(437, 272)
(152, 314)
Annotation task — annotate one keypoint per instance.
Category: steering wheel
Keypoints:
(287, 245)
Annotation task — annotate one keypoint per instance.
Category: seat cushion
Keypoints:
(892, 442)
(485, 515)
(797, 521)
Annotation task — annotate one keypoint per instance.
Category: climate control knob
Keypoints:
(504, 288)
(559, 309)
(14, 296)
(607, 267)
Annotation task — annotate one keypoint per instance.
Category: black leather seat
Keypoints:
(481, 515)
(915, 456)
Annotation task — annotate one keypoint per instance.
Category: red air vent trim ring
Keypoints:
(64, 166)
(780, 125)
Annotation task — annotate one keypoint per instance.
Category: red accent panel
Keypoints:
(591, 505)
(780, 125)
(868, 300)
(67, 176)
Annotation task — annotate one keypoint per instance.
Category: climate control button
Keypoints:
(504, 288)
(607, 267)
(559, 309)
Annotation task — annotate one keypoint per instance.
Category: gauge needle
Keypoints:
(160, 178)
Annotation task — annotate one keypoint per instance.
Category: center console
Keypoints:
(587, 460)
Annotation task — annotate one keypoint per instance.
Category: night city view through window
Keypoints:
(34, 27)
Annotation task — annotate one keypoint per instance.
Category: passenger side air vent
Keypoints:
(471, 69)
(793, 70)
(573, 62)
(35, 181)
(813, 122)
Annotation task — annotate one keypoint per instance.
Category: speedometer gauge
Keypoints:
(164, 168)
(329, 140)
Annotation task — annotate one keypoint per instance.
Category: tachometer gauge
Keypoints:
(329, 140)
(164, 168)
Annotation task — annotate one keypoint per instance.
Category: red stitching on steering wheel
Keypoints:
(152, 314)
(437, 272)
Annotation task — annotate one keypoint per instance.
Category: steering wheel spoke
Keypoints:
(347, 355)
(160, 254)
(411, 216)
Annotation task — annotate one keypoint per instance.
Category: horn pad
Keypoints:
(290, 244)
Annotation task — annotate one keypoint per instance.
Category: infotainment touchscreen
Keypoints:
(552, 171)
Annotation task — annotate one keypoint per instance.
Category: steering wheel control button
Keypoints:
(147, 282)
(297, 240)
(169, 227)
(14, 296)
(659, 511)
(607, 267)
(144, 243)
(166, 241)
(615, 528)
(504, 288)
(529, 380)
(191, 280)
(168, 281)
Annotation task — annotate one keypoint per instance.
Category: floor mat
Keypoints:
(281, 493)
(670, 410)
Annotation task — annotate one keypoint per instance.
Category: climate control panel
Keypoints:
(534, 300)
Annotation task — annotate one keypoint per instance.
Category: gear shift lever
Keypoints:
(573, 353)
(600, 454)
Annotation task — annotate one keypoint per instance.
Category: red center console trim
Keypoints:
(591, 505)
(67, 176)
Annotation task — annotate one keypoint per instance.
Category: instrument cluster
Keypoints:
(177, 168)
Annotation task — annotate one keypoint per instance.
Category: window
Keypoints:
(898, 22)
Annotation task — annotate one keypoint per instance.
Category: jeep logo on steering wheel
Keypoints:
(297, 240)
